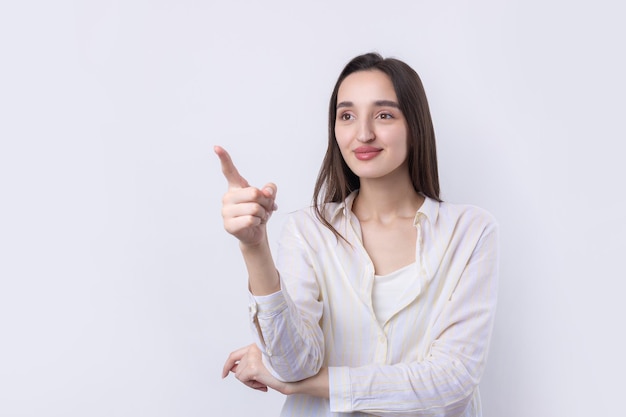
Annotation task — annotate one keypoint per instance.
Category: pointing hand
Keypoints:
(245, 209)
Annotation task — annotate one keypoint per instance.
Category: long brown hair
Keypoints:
(336, 181)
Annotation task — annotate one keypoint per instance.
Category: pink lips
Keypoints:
(365, 153)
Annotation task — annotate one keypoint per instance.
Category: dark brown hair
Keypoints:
(336, 181)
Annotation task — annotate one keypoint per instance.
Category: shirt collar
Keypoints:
(430, 208)
(345, 207)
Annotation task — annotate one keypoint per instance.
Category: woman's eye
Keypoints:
(346, 116)
(386, 116)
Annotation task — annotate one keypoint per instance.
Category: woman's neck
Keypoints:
(384, 200)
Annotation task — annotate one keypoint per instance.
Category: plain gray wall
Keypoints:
(120, 293)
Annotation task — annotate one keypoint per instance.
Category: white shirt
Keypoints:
(428, 358)
(390, 290)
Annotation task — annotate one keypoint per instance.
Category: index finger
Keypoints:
(229, 170)
(233, 358)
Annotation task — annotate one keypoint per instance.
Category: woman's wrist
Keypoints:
(262, 275)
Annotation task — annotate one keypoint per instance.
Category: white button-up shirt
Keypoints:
(428, 358)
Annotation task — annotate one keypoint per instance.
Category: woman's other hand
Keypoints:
(247, 365)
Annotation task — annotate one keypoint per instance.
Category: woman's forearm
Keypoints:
(262, 275)
(316, 386)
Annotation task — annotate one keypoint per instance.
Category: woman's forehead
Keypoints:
(369, 85)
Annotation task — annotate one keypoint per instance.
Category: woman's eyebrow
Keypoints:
(377, 103)
(386, 103)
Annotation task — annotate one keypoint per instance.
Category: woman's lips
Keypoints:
(365, 153)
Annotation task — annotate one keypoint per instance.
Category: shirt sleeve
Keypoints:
(443, 383)
(286, 324)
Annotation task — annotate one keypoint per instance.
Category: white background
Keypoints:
(120, 293)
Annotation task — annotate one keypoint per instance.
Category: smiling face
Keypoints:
(370, 129)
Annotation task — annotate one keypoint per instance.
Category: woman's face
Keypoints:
(370, 128)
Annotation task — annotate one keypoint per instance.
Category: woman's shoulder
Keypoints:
(465, 224)
(302, 216)
(308, 217)
(304, 227)
(466, 213)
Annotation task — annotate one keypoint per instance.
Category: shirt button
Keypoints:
(382, 339)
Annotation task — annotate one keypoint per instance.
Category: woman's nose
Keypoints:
(365, 132)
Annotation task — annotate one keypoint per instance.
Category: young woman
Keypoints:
(382, 298)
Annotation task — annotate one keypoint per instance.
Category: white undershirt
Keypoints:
(389, 291)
